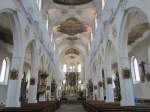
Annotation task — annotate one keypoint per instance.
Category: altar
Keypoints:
(72, 97)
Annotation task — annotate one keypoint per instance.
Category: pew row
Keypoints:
(97, 106)
(45, 106)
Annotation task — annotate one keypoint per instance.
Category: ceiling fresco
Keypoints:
(6, 35)
(72, 26)
(72, 51)
(137, 32)
(72, 2)
(72, 38)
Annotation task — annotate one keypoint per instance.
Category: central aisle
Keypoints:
(71, 108)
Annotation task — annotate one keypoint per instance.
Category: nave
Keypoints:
(71, 108)
(55, 54)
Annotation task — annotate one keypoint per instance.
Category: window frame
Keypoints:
(134, 67)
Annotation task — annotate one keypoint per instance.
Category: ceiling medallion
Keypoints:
(72, 26)
(72, 51)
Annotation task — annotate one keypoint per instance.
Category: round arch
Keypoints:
(16, 30)
(123, 36)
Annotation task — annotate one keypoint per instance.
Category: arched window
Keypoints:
(113, 78)
(64, 68)
(4, 71)
(52, 37)
(92, 36)
(103, 4)
(54, 47)
(28, 78)
(96, 22)
(47, 22)
(135, 70)
(79, 67)
(39, 3)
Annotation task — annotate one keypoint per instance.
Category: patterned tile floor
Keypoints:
(71, 108)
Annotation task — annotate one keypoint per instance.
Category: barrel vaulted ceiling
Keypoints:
(72, 2)
(71, 22)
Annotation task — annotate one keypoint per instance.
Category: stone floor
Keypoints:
(71, 108)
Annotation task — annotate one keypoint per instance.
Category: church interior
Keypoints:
(74, 56)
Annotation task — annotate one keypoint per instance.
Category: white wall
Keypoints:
(140, 51)
(142, 90)
(3, 91)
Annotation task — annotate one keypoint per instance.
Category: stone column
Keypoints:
(109, 90)
(100, 84)
(14, 83)
(108, 82)
(94, 71)
(101, 91)
(32, 93)
(48, 93)
(93, 97)
(57, 91)
(86, 90)
(126, 83)
(48, 90)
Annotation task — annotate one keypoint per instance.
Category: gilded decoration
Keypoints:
(42, 82)
(43, 75)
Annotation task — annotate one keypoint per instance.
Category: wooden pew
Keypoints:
(47, 106)
(97, 106)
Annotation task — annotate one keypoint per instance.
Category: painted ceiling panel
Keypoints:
(72, 2)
